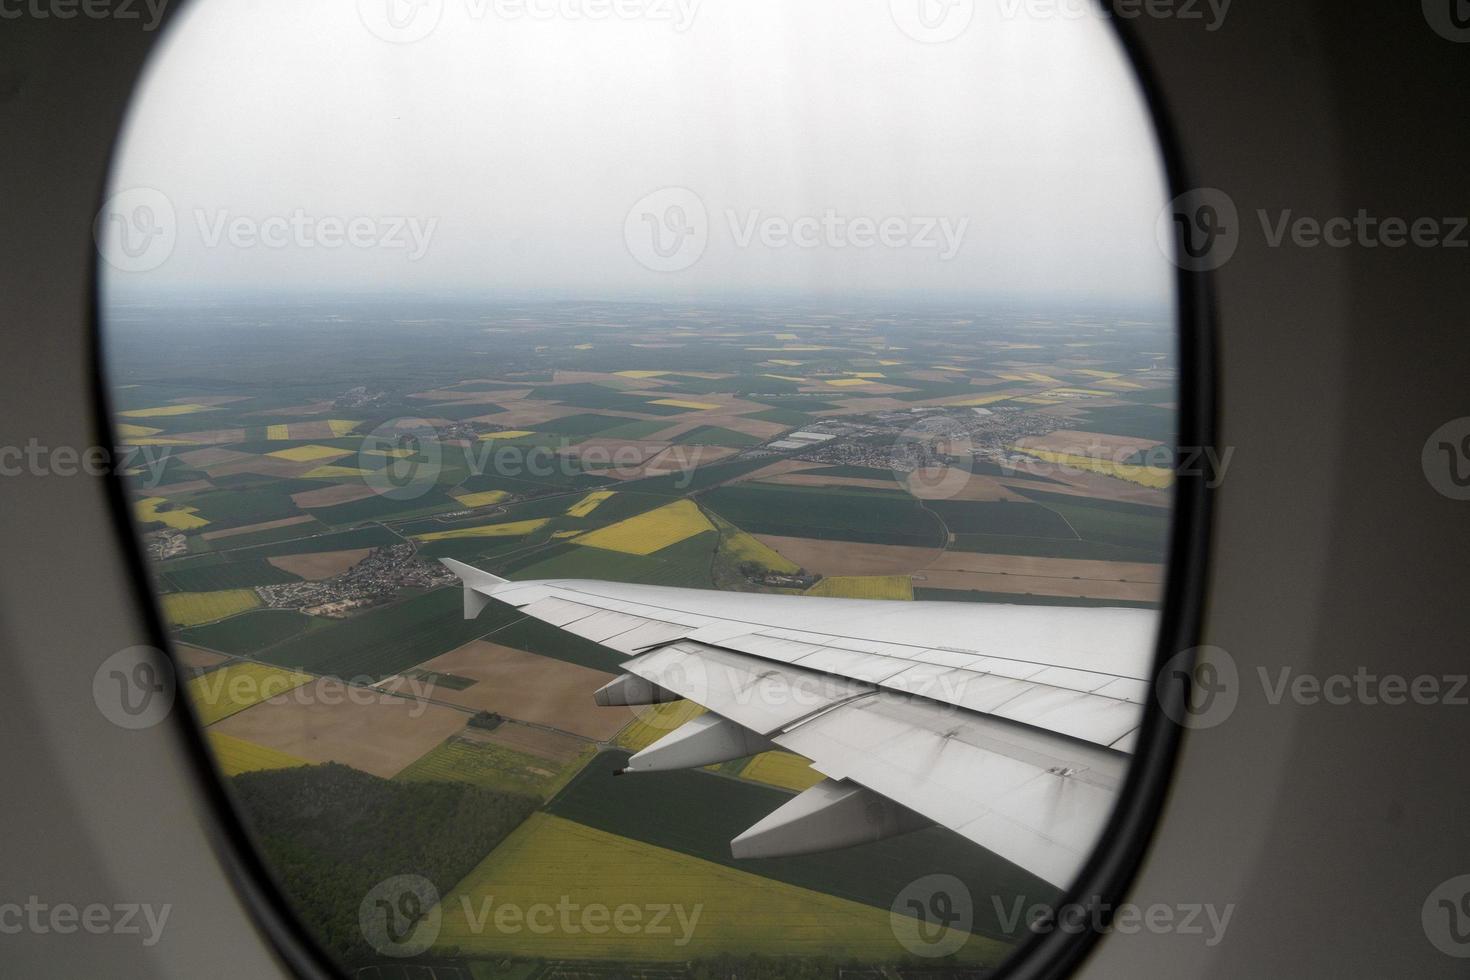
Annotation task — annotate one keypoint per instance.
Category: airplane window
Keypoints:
(652, 487)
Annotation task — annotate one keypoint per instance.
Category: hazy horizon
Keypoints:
(822, 152)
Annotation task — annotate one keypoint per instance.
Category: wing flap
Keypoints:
(1036, 799)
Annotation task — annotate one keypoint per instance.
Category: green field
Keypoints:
(684, 483)
(390, 639)
(685, 564)
(698, 813)
(534, 636)
(465, 759)
(873, 516)
(306, 542)
(1111, 522)
(717, 909)
(1014, 598)
(249, 632)
(331, 834)
(1001, 517)
(228, 575)
(713, 435)
(229, 508)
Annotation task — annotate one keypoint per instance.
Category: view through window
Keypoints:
(651, 488)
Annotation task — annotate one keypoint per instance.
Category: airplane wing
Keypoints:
(1010, 725)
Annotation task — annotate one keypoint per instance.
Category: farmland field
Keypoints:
(701, 812)
(588, 503)
(321, 565)
(249, 631)
(525, 686)
(373, 536)
(193, 608)
(1148, 476)
(511, 529)
(654, 722)
(230, 575)
(388, 640)
(331, 833)
(686, 563)
(851, 557)
(549, 860)
(234, 756)
(879, 517)
(233, 688)
(740, 546)
(325, 722)
(781, 769)
(650, 532)
(158, 510)
(776, 449)
(480, 762)
(865, 587)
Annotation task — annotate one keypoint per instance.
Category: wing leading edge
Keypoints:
(1010, 725)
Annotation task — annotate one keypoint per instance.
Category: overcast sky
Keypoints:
(505, 151)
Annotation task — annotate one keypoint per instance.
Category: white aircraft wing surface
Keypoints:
(1010, 725)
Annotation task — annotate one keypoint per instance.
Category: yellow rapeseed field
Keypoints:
(676, 403)
(163, 411)
(650, 532)
(305, 454)
(484, 499)
(549, 861)
(976, 402)
(783, 769)
(235, 687)
(742, 546)
(654, 721)
(235, 755)
(865, 587)
(588, 503)
(1157, 477)
(330, 472)
(178, 518)
(508, 530)
(193, 608)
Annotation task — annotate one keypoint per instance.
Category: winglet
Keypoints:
(479, 586)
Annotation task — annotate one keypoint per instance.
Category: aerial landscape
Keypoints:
(298, 468)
